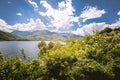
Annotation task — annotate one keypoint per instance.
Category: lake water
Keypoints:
(12, 48)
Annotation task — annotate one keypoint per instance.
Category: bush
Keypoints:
(95, 57)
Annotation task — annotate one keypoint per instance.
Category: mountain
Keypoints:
(32, 33)
(45, 35)
(5, 36)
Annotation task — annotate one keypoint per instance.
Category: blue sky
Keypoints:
(76, 16)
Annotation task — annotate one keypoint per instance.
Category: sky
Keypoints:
(80, 17)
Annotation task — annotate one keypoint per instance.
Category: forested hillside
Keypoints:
(94, 57)
(36, 36)
(45, 35)
(5, 36)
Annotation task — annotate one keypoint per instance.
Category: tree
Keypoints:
(41, 44)
(23, 53)
(1, 57)
(106, 30)
(50, 45)
(95, 57)
(42, 48)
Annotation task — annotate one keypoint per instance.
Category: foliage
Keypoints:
(95, 57)
(44, 48)
(107, 30)
(45, 35)
(5, 36)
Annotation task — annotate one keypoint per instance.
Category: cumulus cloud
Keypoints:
(91, 13)
(34, 4)
(30, 26)
(115, 25)
(61, 18)
(90, 28)
(5, 27)
(19, 14)
(118, 13)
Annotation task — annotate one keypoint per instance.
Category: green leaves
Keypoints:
(95, 57)
(23, 53)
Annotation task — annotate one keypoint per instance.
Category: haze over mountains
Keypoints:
(62, 16)
(4, 36)
(80, 17)
(45, 35)
(36, 35)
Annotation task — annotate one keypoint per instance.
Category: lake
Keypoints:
(12, 48)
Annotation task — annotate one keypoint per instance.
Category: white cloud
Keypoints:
(30, 26)
(34, 4)
(5, 27)
(115, 25)
(118, 13)
(2, 22)
(19, 14)
(91, 13)
(90, 28)
(62, 18)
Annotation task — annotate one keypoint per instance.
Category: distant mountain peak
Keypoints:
(45, 35)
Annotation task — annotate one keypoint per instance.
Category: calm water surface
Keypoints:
(12, 48)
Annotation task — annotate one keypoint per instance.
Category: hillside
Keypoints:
(94, 57)
(35, 35)
(45, 35)
(5, 36)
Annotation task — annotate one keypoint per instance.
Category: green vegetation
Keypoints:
(95, 57)
(45, 35)
(5, 36)
(35, 36)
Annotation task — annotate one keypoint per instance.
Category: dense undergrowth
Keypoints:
(95, 57)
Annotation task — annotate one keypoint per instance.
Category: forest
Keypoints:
(94, 57)
(5, 36)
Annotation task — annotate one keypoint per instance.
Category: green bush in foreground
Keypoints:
(95, 57)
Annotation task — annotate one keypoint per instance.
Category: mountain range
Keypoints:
(36, 35)
(8, 36)
(41, 35)
(45, 35)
